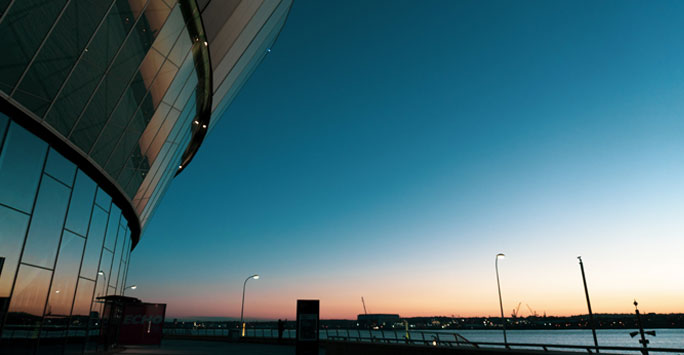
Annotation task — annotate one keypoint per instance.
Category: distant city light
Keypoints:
(268, 50)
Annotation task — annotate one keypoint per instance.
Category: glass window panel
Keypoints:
(162, 82)
(84, 296)
(107, 96)
(13, 226)
(184, 74)
(94, 243)
(22, 35)
(21, 164)
(66, 275)
(28, 300)
(150, 66)
(112, 227)
(81, 204)
(4, 122)
(91, 68)
(59, 54)
(3, 6)
(153, 126)
(181, 48)
(103, 280)
(60, 168)
(156, 13)
(115, 127)
(103, 199)
(46, 224)
(169, 33)
(117, 262)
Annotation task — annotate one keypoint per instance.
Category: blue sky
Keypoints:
(391, 149)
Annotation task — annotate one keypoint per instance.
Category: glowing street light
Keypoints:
(498, 285)
(242, 310)
(132, 287)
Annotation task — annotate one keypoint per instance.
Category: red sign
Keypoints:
(142, 323)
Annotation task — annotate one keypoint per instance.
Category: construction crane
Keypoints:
(364, 305)
(532, 312)
(516, 310)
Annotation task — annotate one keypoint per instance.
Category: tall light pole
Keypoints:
(242, 310)
(498, 285)
(586, 293)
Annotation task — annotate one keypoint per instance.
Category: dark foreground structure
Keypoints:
(102, 103)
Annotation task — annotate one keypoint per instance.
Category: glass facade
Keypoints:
(52, 236)
(102, 103)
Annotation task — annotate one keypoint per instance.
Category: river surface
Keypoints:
(665, 338)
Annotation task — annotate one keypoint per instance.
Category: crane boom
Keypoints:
(364, 305)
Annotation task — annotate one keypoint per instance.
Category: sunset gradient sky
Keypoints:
(390, 149)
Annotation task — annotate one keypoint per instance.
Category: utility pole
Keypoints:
(591, 315)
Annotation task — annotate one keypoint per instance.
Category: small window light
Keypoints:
(268, 50)
(204, 126)
(180, 166)
(205, 43)
(195, 122)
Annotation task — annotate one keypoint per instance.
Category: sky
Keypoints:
(390, 149)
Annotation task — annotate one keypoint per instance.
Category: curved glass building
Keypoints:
(102, 103)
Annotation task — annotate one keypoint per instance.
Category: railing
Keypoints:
(415, 337)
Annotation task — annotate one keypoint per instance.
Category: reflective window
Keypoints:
(21, 163)
(28, 299)
(169, 33)
(66, 275)
(46, 224)
(84, 296)
(13, 226)
(112, 227)
(60, 168)
(81, 204)
(116, 263)
(94, 244)
(4, 122)
(107, 96)
(103, 280)
(92, 66)
(59, 54)
(22, 35)
(102, 199)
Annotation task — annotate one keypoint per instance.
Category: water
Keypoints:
(665, 338)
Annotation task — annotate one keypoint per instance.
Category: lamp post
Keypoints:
(242, 310)
(132, 287)
(101, 273)
(586, 293)
(498, 285)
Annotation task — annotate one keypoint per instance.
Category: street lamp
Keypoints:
(242, 310)
(132, 287)
(586, 293)
(498, 285)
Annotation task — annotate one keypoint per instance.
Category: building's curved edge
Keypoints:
(204, 117)
(195, 25)
(27, 120)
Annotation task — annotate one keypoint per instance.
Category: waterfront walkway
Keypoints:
(198, 347)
